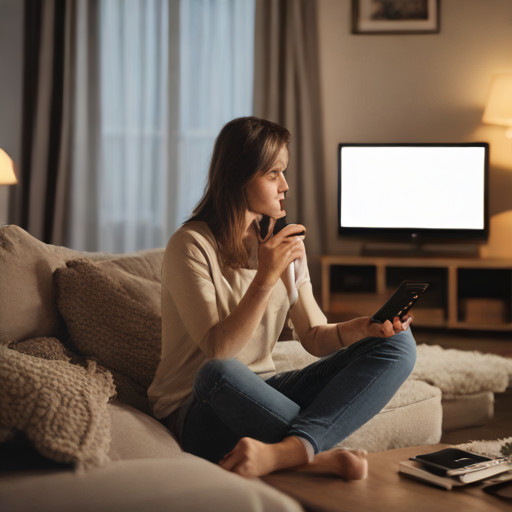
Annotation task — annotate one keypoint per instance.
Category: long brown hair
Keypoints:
(244, 148)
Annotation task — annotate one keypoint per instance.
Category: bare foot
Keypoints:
(347, 464)
(252, 458)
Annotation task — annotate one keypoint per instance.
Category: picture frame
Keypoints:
(395, 17)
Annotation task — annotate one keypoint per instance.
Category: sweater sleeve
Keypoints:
(186, 274)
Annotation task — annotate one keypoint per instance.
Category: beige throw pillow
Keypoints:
(27, 298)
(120, 329)
(60, 407)
(27, 295)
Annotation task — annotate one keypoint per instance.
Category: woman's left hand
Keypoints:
(359, 328)
(388, 329)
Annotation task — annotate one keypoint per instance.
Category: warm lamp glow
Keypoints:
(7, 176)
(499, 103)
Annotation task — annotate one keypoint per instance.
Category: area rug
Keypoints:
(487, 448)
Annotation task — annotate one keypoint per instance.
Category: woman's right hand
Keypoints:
(277, 253)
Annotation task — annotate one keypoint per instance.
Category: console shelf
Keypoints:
(465, 293)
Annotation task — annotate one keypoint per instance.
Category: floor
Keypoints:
(499, 343)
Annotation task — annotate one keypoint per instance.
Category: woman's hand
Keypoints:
(277, 253)
(359, 328)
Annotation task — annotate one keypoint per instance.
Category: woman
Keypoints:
(226, 292)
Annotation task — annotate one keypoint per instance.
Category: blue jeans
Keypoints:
(323, 403)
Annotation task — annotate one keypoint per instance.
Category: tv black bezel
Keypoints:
(421, 234)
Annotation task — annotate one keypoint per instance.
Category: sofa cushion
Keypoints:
(60, 407)
(27, 298)
(291, 355)
(142, 287)
(467, 410)
(135, 435)
(156, 485)
(27, 295)
(112, 327)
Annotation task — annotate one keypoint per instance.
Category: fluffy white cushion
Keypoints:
(460, 372)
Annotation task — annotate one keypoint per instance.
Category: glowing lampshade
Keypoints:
(7, 176)
(499, 103)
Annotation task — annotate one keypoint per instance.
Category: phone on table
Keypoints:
(401, 302)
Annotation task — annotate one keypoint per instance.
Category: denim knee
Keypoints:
(406, 344)
(210, 376)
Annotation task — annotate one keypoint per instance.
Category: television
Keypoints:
(416, 192)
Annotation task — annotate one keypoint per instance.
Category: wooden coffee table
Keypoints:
(384, 489)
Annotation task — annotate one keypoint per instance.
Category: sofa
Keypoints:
(79, 343)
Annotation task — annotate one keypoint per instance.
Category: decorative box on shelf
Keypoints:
(484, 310)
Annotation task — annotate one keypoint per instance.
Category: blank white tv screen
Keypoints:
(414, 187)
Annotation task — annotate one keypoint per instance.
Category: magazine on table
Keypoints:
(452, 467)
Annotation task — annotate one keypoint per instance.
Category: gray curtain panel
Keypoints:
(45, 105)
(287, 91)
(40, 203)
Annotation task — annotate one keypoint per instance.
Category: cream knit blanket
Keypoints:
(61, 407)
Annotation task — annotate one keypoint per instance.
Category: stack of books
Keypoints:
(452, 467)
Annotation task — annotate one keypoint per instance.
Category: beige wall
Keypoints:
(414, 88)
(11, 59)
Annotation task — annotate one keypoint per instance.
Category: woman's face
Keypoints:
(267, 190)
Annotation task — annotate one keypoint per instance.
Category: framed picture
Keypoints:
(395, 16)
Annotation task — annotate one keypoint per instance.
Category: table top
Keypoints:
(384, 489)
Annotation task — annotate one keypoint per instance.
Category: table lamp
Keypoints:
(7, 176)
(499, 103)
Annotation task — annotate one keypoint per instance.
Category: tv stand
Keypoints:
(419, 250)
(465, 293)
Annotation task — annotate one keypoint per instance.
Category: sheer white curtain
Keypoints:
(134, 78)
(145, 191)
(214, 64)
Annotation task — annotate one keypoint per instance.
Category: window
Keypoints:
(158, 123)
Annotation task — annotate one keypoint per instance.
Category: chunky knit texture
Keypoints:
(460, 372)
(51, 349)
(106, 324)
(61, 408)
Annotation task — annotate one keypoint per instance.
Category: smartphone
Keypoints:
(401, 302)
(281, 223)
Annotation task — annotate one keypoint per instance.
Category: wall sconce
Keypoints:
(499, 103)
(7, 176)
